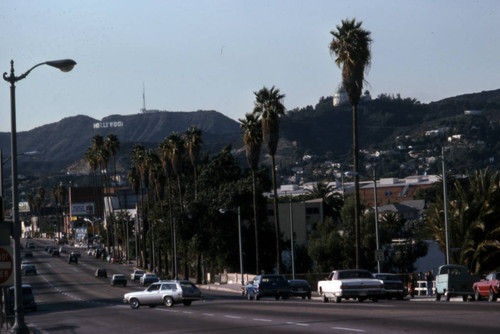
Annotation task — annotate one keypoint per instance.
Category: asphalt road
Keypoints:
(71, 300)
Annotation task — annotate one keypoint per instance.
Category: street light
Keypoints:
(64, 65)
(239, 236)
(378, 257)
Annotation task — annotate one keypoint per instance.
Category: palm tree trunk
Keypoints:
(356, 182)
(255, 224)
(276, 216)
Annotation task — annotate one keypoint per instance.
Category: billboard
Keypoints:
(82, 209)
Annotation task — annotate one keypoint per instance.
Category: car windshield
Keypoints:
(385, 277)
(354, 274)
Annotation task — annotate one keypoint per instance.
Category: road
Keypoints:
(71, 300)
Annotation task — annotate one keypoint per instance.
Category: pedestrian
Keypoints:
(429, 278)
(411, 285)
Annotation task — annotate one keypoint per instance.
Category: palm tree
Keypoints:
(164, 153)
(351, 46)
(112, 145)
(138, 158)
(193, 145)
(268, 105)
(176, 148)
(253, 142)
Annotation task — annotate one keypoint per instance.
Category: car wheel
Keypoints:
(477, 295)
(303, 297)
(338, 299)
(308, 296)
(375, 299)
(134, 303)
(447, 297)
(438, 297)
(186, 302)
(257, 297)
(277, 297)
(285, 297)
(324, 299)
(169, 301)
(124, 284)
(465, 298)
(491, 296)
(360, 300)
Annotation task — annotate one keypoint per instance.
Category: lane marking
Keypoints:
(232, 317)
(208, 314)
(297, 324)
(349, 329)
(260, 319)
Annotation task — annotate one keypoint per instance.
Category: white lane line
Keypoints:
(297, 324)
(187, 312)
(349, 329)
(260, 319)
(232, 317)
(208, 314)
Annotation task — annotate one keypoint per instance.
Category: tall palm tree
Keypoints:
(252, 138)
(112, 145)
(193, 145)
(268, 105)
(177, 149)
(164, 153)
(135, 181)
(138, 158)
(351, 47)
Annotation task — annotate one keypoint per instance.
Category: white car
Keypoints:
(164, 292)
(148, 278)
(25, 263)
(354, 283)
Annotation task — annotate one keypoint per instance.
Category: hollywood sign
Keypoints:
(104, 125)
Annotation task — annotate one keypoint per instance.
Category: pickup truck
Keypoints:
(454, 280)
(354, 283)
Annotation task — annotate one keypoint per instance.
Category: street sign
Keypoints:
(379, 255)
(6, 266)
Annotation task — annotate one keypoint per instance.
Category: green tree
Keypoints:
(252, 138)
(268, 105)
(351, 47)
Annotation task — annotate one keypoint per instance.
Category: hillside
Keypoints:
(387, 124)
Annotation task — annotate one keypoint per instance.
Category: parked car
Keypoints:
(63, 249)
(148, 278)
(393, 286)
(167, 293)
(101, 272)
(28, 298)
(30, 245)
(55, 252)
(29, 269)
(28, 253)
(76, 253)
(118, 279)
(489, 287)
(300, 288)
(72, 258)
(136, 275)
(268, 286)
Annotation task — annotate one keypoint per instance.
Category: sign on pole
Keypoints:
(379, 255)
(6, 266)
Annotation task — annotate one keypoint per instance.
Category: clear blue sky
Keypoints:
(212, 55)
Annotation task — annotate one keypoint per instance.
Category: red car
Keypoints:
(488, 287)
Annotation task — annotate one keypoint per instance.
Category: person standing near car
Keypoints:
(429, 278)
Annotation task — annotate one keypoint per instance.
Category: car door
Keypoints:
(152, 295)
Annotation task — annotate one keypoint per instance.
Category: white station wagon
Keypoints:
(167, 293)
